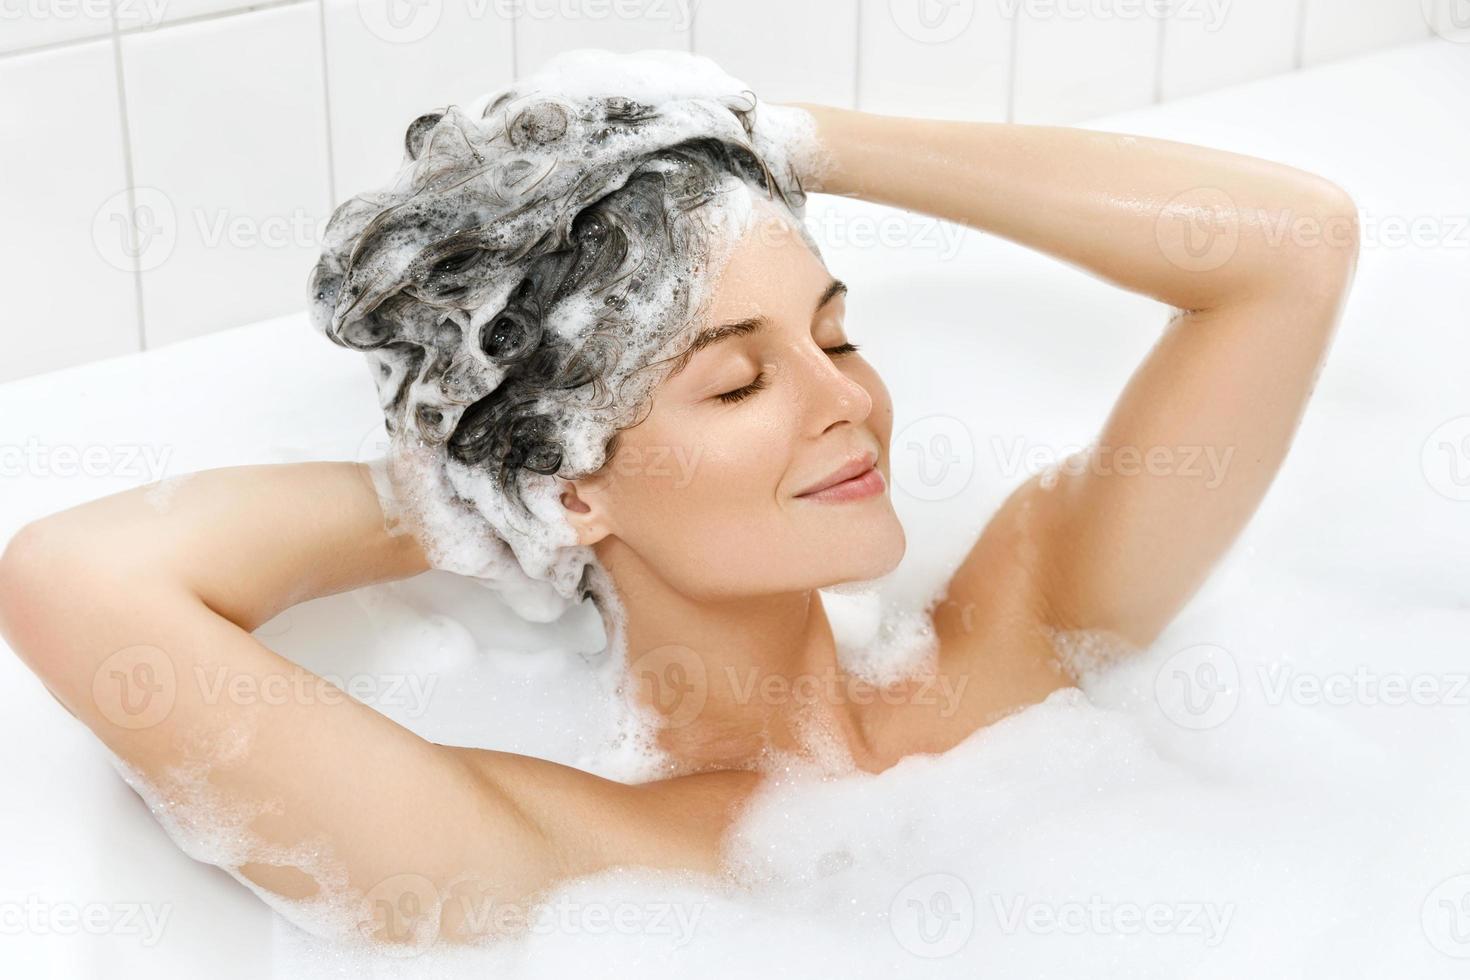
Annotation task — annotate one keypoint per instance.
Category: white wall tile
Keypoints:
(32, 23)
(383, 73)
(786, 52)
(1075, 60)
(948, 61)
(1339, 28)
(65, 265)
(228, 120)
(147, 14)
(1212, 43)
(617, 25)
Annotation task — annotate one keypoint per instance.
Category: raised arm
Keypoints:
(135, 611)
(1257, 257)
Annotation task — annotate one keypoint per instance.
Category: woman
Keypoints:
(715, 572)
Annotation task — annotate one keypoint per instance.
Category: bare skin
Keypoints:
(1101, 549)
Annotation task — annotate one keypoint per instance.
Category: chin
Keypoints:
(877, 550)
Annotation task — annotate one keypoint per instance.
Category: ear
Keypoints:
(586, 512)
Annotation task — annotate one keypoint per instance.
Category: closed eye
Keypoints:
(740, 394)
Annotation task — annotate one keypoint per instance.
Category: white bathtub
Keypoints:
(1335, 828)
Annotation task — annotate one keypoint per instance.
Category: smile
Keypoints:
(866, 484)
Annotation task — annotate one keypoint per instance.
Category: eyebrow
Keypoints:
(740, 328)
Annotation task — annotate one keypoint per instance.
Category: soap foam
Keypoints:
(526, 279)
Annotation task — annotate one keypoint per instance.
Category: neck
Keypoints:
(734, 679)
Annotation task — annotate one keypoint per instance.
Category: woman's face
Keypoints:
(706, 490)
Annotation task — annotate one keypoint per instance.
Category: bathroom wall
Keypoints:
(166, 165)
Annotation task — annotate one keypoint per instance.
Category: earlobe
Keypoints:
(587, 523)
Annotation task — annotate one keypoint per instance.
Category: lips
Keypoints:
(855, 466)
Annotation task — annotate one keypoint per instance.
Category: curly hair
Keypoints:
(434, 261)
(514, 286)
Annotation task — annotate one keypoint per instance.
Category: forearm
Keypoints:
(1190, 226)
(250, 541)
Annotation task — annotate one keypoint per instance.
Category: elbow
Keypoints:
(25, 565)
(1324, 252)
(38, 576)
(20, 566)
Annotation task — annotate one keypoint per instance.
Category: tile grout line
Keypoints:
(129, 179)
(515, 44)
(1159, 47)
(146, 28)
(321, 6)
(1301, 35)
(1013, 60)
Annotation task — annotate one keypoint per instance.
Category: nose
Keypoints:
(828, 395)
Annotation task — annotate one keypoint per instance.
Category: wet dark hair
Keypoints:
(451, 279)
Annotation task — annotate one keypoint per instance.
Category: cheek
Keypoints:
(712, 467)
(739, 456)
